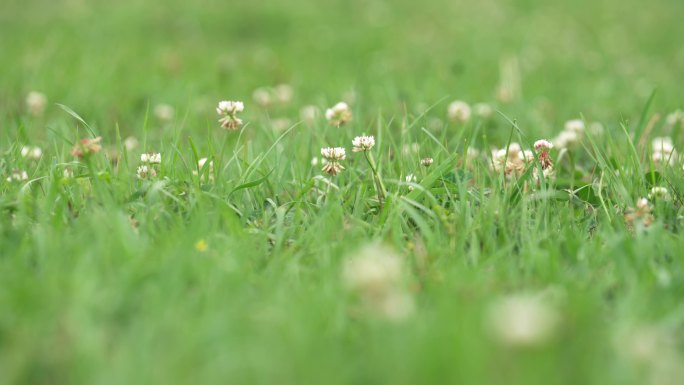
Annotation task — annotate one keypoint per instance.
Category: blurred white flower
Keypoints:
(31, 152)
(338, 114)
(152, 158)
(659, 192)
(363, 143)
(410, 178)
(576, 125)
(146, 172)
(566, 139)
(543, 145)
(262, 97)
(427, 162)
(130, 143)
(483, 110)
(522, 320)
(458, 111)
(17, 176)
(283, 93)
(164, 112)
(374, 274)
(308, 114)
(35, 103)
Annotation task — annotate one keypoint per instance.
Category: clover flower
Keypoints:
(543, 147)
(17, 176)
(410, 179)
(458, 111)
(511, 161)
(130, 143)
(483, 110)
(164, 112)
(674, 118)
(151, 158)
(659, 193)
(31, 152)
(522, 320)
(363, 143)
(228, 111)
(426, 162)
(35, 103)
(374, 275)
(333, 156)
(642, 214)
(201, 163)
(146, 172)
(283, 93)
(86, 147)
(308, 114)
(663, 151)
(262, 96)
(572, 134)
(338, 114)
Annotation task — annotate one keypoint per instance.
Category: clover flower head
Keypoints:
(338, 114)
(459, 111)
(31, 152)
(151, 158)
(86, 147)
(522, 320)
(146, 172)
(426, 162)
(164, 112)
(35, 103)
(483, 110)
(17, 176)
(659, 192)
(543, 145)
(363, 143)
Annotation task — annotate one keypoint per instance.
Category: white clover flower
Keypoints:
(410, 178)
(575, 125)
(659, 193)
(333, 156)
(203, 161)
(483, 110)
(363, 143)
(227, 107)
(262, 97)
(338, 114)
(130, 143)
(164, 112)
(566, 139)
(458, 111)
(374, 274)
(427, 162)
(35, 103)
(526, 155)
(308, 113)
(152, 158)
(543, 145)
(228, 111)
(662, 144)
(283, 93)
(522, 320)
(146, 172)
(642, 203)
(31, 152)
(675, 117)
(18, 176)
(333, 153)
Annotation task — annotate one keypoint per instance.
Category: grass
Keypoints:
(235, 273)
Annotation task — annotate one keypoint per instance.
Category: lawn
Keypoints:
(341, 192)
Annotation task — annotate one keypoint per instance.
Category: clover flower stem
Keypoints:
(379, 186)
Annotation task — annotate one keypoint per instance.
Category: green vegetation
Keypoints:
(238, 260)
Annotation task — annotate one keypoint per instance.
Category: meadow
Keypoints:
(341, 192)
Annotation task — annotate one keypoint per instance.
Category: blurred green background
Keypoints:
(599, 58)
